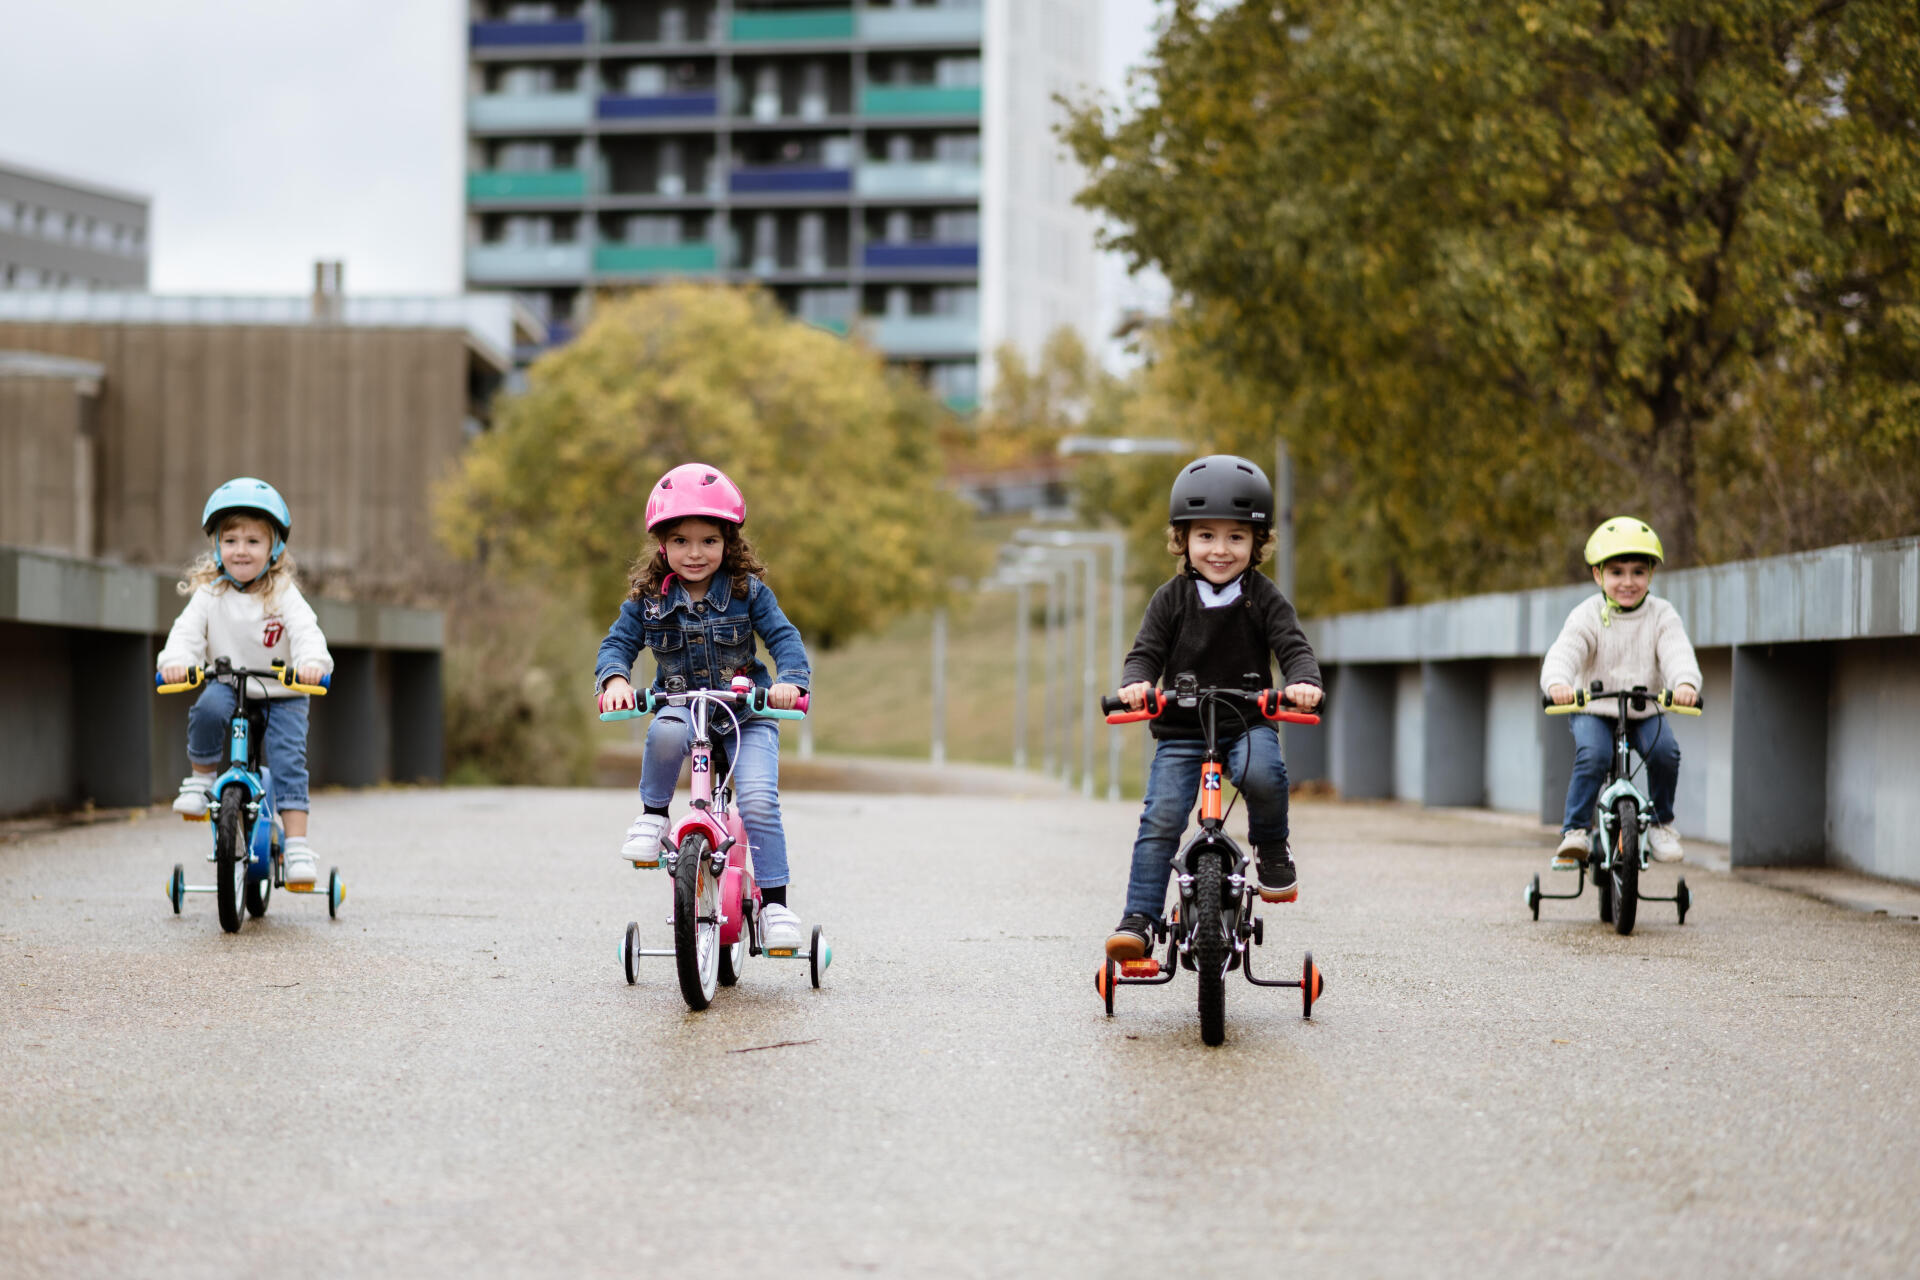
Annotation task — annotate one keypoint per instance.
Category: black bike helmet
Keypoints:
(1221, 487)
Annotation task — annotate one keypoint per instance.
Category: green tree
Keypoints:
(1499, 270)
(837, 456)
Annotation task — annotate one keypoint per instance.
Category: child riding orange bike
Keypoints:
(1221, 622)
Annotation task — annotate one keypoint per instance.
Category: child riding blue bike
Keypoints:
(244, 606)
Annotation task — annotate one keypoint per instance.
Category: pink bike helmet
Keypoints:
(695, 489)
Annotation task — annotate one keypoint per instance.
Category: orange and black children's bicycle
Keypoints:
(1213, 928)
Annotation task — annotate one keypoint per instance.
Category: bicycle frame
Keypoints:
(1238, 924)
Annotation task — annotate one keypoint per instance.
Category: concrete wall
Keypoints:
(1809, 751)
(80, 722)
(1873, 757)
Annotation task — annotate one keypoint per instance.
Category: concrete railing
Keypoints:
(1809, 751)
(80, 722)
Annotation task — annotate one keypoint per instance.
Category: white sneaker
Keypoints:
(646, 839)
(298, 862)
(1573, 850)
(780, 928)
(195, 793)
(1664, 841)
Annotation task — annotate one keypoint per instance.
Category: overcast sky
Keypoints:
(270, 133)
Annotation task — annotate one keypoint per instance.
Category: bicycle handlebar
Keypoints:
(1269, 701)
(1581, 697)
(197, 676)
(753, 701)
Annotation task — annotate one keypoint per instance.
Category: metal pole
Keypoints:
(1020, 624)
(1282, 517)
(1114, 602)
(1050, 693)
(939, 753)
(1063, 701)
(1089, 691)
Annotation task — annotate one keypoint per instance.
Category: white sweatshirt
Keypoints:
(220, 622)
(1648, 646)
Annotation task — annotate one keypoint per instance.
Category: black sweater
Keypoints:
(1219, 646)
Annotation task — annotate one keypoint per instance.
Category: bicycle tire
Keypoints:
(1626, 864)
(1210, 948)
(230, 857)
(694, 894)
(733, 959)
(258, 893)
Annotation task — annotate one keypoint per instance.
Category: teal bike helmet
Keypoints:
(247, 496)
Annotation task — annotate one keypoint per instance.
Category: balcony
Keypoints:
(919, 100)
(913, 26)
(530, 111)
(787, 179)
(925, 335)
(924, 255)
(507, 35)
(658, 106)
(918, 178)
(535, 184)
(515, 263)
(654, 259)
(775, 25)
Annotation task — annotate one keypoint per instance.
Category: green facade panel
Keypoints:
(793, 24)
(893, 100)
(626, 259)
(553, 184)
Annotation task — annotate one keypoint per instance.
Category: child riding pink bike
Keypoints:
(697, 602)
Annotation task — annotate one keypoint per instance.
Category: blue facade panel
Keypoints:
(495, 35)
(620, 106)
(765, 181)
(922, 255)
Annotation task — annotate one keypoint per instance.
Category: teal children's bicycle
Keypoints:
(1617, 851)
(248, 839)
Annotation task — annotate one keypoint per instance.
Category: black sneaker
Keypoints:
(1278, 881)
(1131, 939)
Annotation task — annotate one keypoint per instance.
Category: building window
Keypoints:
(9, 214)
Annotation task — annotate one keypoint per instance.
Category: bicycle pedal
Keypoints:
(1147, 968)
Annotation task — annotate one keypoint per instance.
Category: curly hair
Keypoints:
(1263, 537)
(738, 560)
(205, 569)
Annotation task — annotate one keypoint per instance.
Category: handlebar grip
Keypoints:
(1118, 712)
(195, 678)
(1110, 704)
(624, 713)
(1129, 717)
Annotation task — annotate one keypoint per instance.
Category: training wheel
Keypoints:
(1103, 982)
(1682, 899)
(1312, 985)
(336, 892)
(630, 952)
(819, 956)
(177, 887)
(1533, 895)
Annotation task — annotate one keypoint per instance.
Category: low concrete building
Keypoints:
(123, 411)
(1809, 752)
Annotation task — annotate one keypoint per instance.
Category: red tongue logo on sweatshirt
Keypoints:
(275, 629)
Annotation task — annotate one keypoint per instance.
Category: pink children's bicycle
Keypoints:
(716, 904)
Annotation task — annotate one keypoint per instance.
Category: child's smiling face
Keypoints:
(694, 549)
(246, 545)
(1219, 550)
(1625, 582)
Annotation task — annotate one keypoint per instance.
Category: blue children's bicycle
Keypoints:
(1617, 848)
(248, 840)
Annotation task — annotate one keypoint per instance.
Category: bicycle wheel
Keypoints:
(230, 856)
(1210, 948)
(696, 923)
(1626, 863)
(258, 891)
(733, 959)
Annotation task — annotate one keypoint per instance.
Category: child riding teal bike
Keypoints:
(1625, 638)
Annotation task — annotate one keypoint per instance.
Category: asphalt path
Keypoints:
(455, 1077)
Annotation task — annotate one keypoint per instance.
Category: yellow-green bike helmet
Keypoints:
(1624, 536)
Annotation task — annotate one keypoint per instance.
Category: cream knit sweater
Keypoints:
(1646, 647)
(220, 622)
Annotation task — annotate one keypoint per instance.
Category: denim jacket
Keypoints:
(704, 642)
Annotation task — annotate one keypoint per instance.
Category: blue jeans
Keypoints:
(1173, 787)
(1593, 752)
(756, 780)
(284, 751)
